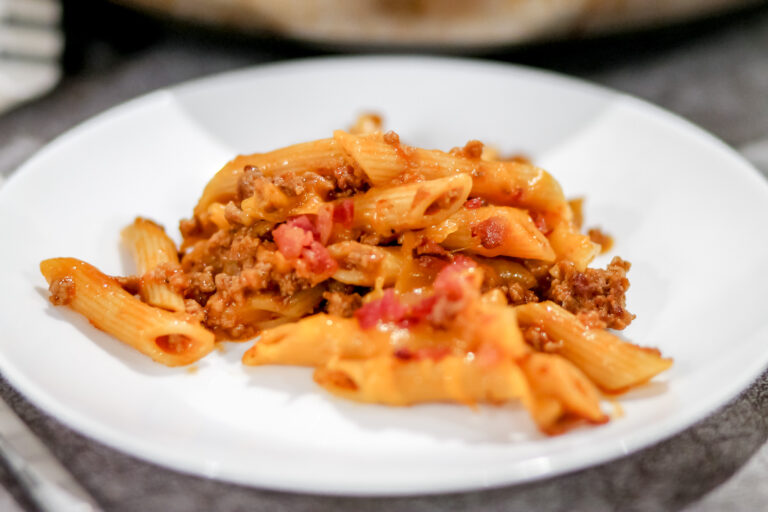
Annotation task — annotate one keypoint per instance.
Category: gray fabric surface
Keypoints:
(715, 74)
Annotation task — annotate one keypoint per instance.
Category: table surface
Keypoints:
(713, 72)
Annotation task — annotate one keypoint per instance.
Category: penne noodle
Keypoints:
(503, 183)
(319, 155)
(268, 203)
(558, 389)
(362, 264)
(313, 341)
(571, 245)
(269, 309)
(388, 211)
(151, 248)
(173, 339)
(611, 363)
(495, 231)
(501, 271)
(393, 381)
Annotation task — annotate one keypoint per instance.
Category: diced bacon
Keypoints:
(450, 272)
(324, 223)
(319, 260)
(291, 240)
(386, 309)
(344, 213)
(454, 287)
(490, 231)
(305, 223)
(421, 310)
(298, 239)
(475, 202)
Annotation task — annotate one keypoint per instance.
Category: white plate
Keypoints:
(685, 209)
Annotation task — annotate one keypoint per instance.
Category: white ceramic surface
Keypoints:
(685, 209)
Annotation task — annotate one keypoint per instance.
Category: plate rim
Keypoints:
(108, 436)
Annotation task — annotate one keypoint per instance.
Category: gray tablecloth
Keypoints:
(713, 73)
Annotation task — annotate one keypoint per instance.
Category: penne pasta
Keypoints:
(495, 231)
(569, 244)
(388, 211)
(558, 390)
(151, 248)
(365, 265)
(321, 154)
(611, 363)
(314, 341)
(505, 183)
(393, 381)
(173, 339)
(502, 271)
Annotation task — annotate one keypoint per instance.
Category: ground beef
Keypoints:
(342, 181)
(62, 291)
(349, 181)
(517, 295)
(538, 339)
(599, 237)
(131, 284)
(427, 246)
(472, 150)
(342, 304)
(599, 293)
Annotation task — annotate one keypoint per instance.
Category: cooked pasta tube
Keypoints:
(268, 202)
(495, 231)
(173, 339)
(384, 159)
(388, 211)
(323, 154)
(391, 380)
(501, 271)
(571, 245)
(613, 364)
(266, 310)
(558, 389)
(315, 340)
(152, 248)
(363, 264)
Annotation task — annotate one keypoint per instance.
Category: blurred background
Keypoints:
(62, 62)
(704, 59)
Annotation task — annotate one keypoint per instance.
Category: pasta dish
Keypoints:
(401, 275)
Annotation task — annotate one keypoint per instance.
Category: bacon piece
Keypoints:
(305, 223)
(318, 259)
(292, 239)
(475, 202)
(324, 224)
(344, 213)
(490, 231)
(299, 239)
(454, 287)
(386, 309)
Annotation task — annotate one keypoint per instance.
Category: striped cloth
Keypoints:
(31, 44)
